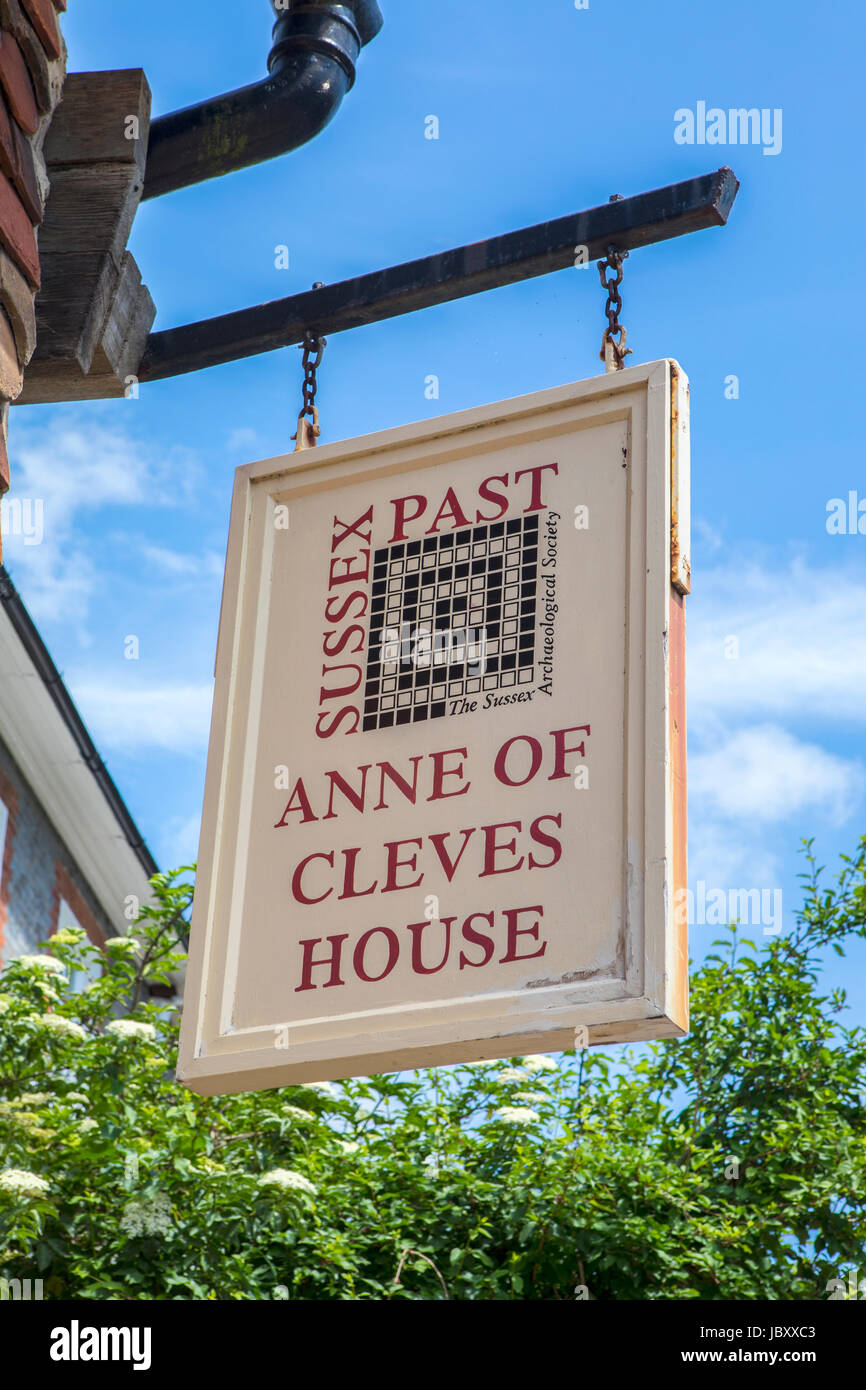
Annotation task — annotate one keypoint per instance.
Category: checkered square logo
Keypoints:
(451, 616)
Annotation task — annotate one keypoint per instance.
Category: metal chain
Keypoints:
(613, 353)
(308, 430)
(313, 349)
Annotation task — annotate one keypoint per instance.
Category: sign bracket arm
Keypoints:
(578, 238)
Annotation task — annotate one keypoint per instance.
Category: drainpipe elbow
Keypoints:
(311, 67)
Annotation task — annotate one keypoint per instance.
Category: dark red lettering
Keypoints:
(475, 938)
(344, 689)
(540, 838)
(344, 600)
(364, 573)
(334, 648)
(491, 848)
(336, 721)
(450, 507)
(558, 736)
(410, 791)
(361, 948)
(511, 916)
(352, 529)
(299, 791)
(394, 863)
(297, 891)
(349, 889)
(400, 517)
(448, 864)
(535, 502)
(502, 757)
(417, 929)
(498, 498)
(440, 772)
(337, 780)
(333, 960)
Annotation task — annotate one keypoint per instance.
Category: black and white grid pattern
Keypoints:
(484, 578)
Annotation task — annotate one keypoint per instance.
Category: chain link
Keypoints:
(308, 430)
(313, 349)
(612, 352)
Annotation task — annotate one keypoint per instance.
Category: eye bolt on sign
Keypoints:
(444, 816)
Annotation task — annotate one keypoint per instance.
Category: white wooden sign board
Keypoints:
(445, 806)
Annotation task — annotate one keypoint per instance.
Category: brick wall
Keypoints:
(38, 871)
(32, 70)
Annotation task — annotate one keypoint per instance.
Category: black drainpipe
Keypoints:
(311, 67)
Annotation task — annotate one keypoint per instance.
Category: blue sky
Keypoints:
(542, 111)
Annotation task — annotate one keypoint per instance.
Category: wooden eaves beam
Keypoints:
(93, 315)
(627, 223)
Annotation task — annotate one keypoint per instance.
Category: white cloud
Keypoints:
(724, 857)
(243, 438)
(175, 718)
(706, 537)
(176, 562)
(801, 635)
(76, 470)
(763, 773)
(178, 842)
(759, 773)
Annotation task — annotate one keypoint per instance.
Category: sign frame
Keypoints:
(649, 998)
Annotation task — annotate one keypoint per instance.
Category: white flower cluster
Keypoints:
(532, 1097)
(349, 1146)
(68, 936)
(46, 988)
(50, 963)
(130, 1028)
(209, 1169)
(512, 1074)
(65, 1027)
(122, 945)
(21, 1183)
(517, 1115)
(12, 1114)
(297, 1113)
(539, 1063)
(149, 1217)
(328, 1087)
(288, 1180)
(87, 1126)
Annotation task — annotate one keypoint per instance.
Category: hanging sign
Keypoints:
(444, 816)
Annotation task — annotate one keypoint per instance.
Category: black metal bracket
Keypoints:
(627, 223)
